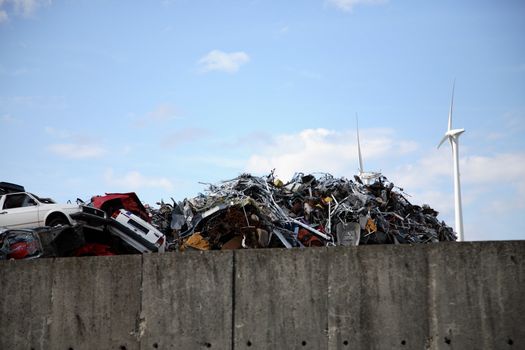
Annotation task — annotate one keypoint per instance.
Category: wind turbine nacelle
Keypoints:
(455, 132)
(369, 175)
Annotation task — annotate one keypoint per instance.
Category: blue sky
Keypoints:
(157, 96)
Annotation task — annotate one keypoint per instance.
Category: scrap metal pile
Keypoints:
(261, 212)
(246, 212)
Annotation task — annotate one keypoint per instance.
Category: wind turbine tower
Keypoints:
(365, 176)
(453, 136)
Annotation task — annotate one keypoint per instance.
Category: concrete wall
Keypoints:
(439, 296)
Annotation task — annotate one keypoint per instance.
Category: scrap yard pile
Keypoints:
(245, 212)
(261, 212)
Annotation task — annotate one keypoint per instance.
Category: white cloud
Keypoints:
(25, 8)
(348, 5)
(58, 133)
(73, 145)
(218, 161)
(514, 121)
(29, 7)
(182, 136)
(504, 168)
(217, 60)
(134, 180)
(162, 113)
(43, 102)
(434, 165)
(3, 16)
(77, 150)
(439, 200)
(8, 118)
(313, 150)
(250, 141)
(475, 170)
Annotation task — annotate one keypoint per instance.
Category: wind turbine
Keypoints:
(453, 136)
(366, 176)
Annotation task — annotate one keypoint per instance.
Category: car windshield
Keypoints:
(43, 200)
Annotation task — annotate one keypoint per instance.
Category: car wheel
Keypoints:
(58, 220)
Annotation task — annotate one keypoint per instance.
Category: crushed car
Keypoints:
(111, 202)
(136, 232)
(20, 244)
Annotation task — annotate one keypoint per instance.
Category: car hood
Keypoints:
(67, 208)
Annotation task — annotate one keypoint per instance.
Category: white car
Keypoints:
(136, 232)
(26, 210)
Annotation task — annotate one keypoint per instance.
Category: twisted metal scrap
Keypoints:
(320, 204)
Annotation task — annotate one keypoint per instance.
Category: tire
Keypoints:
(57, 220)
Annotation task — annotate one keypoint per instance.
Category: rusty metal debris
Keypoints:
(310, 210)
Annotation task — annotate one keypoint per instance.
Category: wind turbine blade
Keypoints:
(443, 140)
(451, 107)
(359, 146)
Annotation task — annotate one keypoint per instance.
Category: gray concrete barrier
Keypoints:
(437, 296)
(187, 301)
(281, 299)
(75, 303)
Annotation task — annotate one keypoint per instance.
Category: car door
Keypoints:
(19, 210)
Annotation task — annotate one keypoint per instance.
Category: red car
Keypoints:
(112, 202)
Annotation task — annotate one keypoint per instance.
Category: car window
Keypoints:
(18, 200)
(43, 200)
